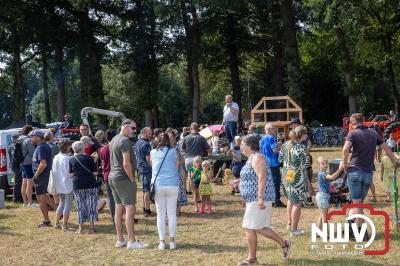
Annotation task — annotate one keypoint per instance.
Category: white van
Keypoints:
(6, 174)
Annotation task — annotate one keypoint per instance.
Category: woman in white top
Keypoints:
(63, 185)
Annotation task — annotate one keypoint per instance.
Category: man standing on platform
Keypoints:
(230, 119)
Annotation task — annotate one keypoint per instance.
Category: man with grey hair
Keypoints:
(49, 138)
(123, 184)
(142, 150)
(270, 149)
(230, 118)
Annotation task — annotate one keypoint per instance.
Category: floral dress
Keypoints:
(296, 191)
(182, 199)
(205, 186)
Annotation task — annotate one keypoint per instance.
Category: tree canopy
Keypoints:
(167, 63)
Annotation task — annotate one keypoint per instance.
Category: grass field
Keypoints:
(215, 239)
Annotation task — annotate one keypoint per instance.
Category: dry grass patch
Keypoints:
(215, 239)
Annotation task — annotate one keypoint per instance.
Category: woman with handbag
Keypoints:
(165, 184)
(294, 158)
(83, 172)
(63, 185)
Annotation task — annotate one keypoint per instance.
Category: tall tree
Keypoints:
(291, 50)
(45, 83)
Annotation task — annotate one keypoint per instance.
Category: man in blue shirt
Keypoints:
(142, 150)
(270, 149)
(41, 166)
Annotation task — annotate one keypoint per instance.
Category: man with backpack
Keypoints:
(24, 149)
(16, 168)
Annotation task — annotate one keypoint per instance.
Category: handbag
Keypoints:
(51, 187)
(291, 171)
(152, 185)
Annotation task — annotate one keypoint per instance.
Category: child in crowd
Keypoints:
(391, 143)
(323, 189)
(196, 171)
(387, 176)
(236, 165)
(214, 141)
(205, 187)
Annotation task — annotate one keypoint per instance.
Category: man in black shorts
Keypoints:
(41, 166)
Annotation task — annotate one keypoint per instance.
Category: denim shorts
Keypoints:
(322, 200)
(236, 167)
(146, 181)
(359, 183)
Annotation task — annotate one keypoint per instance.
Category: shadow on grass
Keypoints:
(342, 261)
(5, 216)
(211, 248)
(4, 231)
(218, 214)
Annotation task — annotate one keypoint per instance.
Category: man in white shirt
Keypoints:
(391, 143)
(230, 118)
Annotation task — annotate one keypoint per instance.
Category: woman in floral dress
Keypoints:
(294, 158)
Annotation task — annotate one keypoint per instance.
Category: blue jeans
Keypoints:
(359, 183)
(64, 208)
(276, 177)
(231, 130)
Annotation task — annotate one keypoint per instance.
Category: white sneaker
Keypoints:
(298, 232)
(136, 245)
(161, 246)
(33, 205)
(172, 245)
(121, 244)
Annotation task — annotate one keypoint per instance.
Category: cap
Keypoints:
(295, 121)
(36, 133)
(87, 140)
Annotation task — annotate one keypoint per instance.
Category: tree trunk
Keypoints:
(18, 86)
(59, 77)
(45, 81)
(231, 48)
(291, 51)
(195, 64)
(277, 61)
(347, 68)
(90, 68)
(188, 48)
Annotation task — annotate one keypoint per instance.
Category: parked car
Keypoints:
(6, 174)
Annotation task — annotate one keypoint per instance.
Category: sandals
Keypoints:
(372, 199)
(249, 261)
(287, 248)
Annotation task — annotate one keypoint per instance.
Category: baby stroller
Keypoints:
(338, 188)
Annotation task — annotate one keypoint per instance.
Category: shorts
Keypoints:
(255, 218)
(322, 200)
(189, 163)
(27, 171)
(124, 191)
(146, 181)
(40, 184)
(196, 184)
(236, 168)
(359, 183)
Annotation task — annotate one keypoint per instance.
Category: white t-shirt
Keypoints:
(214, 142)
(230, 116)
(61, 174)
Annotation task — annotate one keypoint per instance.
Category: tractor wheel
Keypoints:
(71, 136)
(392, 128)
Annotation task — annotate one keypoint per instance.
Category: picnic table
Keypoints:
(220, 162)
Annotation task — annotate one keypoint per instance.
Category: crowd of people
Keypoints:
(174, 166)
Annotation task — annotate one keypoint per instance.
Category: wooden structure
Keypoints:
(277, 110)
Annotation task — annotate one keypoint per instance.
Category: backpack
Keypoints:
(18, 154)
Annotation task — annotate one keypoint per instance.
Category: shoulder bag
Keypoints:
(152, 185)
(291, 171)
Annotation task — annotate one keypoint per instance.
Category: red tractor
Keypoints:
(385, 125)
